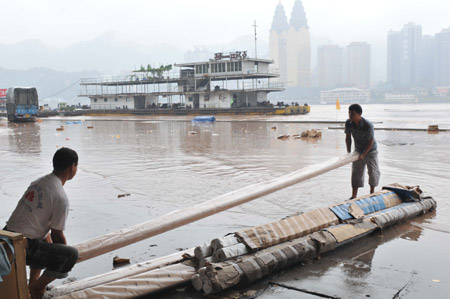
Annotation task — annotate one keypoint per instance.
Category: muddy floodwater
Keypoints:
(161, 164)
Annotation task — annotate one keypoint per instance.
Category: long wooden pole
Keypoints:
(127, 236)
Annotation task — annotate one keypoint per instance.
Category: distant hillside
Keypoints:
(108, 53)
(49, 83)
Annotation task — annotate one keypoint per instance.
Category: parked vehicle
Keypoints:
(22, 104)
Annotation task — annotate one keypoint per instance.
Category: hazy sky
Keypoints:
(202, 22)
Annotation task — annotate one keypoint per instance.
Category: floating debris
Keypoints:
(394, 143)
(433, 128)
(311, 134)
(192, 133)
(60, 128)
(90, 127)
(274, 128)
(123, 195)
(283, 137)
(118, 261)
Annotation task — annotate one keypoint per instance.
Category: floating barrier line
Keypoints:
(112, 241)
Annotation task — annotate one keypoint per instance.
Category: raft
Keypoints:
(248, 255)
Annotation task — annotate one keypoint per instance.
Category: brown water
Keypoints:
(163, 167)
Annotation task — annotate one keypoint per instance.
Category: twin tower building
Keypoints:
(290, 46)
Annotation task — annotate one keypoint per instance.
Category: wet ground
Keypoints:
(165, 167)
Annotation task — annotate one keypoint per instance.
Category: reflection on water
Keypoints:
(24, 138)
(165, 168)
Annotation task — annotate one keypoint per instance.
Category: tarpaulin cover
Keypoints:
(345, 232)
(225, 253)
(204, 119)
(407, 193)
(270, 234)
(403, 212)
(325, 241)
(140, 284)
(220, 276)
(368, 204)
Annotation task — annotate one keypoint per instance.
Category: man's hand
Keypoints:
(361, 157)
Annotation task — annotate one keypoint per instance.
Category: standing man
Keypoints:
(41, 216)
(364, 135)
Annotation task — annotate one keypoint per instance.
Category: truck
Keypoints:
(22, 104)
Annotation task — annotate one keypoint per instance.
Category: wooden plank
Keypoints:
(20, 265)
(11, 235)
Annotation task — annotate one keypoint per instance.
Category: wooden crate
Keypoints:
(14, 286)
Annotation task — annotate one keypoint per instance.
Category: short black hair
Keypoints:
(64, 158)
(355, 107)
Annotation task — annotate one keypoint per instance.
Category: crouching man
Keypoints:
(41, 216)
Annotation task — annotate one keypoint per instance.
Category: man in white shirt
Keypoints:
(41, 216)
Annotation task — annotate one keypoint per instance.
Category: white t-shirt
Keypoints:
(44, 206)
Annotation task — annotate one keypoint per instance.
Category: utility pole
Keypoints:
(256, 53)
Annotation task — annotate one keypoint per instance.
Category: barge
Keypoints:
(230, 83)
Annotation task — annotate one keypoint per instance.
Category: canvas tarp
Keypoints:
(270, 234)
(376, 202)
(346, 232)
(140, 284)
(219, 276)
(403, 212)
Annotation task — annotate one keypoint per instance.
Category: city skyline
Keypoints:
(60, 24)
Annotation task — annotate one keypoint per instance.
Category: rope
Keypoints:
(59, 92)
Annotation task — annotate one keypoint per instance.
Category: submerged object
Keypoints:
(204, 119)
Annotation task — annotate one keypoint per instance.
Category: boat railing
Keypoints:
(134, 77)
(263, 86)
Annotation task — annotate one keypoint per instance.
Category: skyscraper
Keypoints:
(394, 58)
(442, 40)
(358, 65)
(289, 46)
(329, 66)
(298, 48)
(277, 41)
(404, 56)
(428, 62)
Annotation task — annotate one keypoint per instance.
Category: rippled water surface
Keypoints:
(164, 167)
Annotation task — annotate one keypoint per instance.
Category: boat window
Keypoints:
(116, 100)
(105, 100)
(95, 100)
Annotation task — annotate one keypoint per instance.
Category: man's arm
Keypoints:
(348, 141)
(58, 237)
(369, 146)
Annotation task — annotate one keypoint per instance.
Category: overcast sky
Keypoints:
(187, 23)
